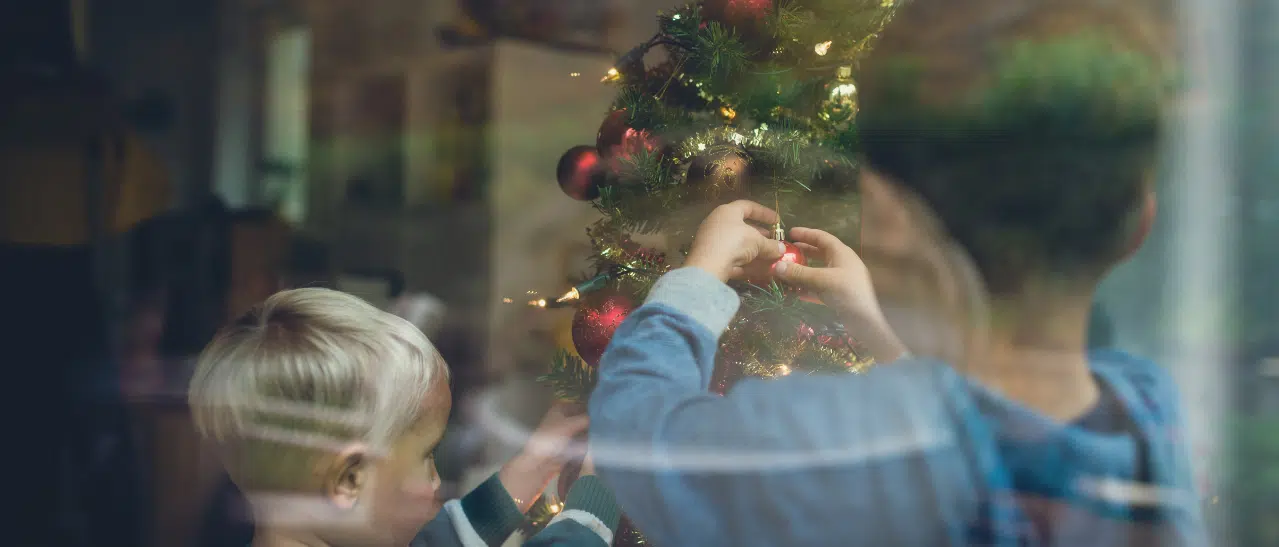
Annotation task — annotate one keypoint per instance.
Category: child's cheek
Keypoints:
(419, 490)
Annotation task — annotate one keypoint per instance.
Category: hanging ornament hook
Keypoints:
(779, 233)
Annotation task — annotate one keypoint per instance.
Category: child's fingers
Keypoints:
(801, 276)
(767, 249)
(817, 238)
(811, 251)
(750, 210)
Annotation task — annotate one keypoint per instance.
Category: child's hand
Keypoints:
(551, 446)
(726, 243)
(845, 285)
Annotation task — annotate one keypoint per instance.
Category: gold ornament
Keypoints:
(720, 175)
(840, 106)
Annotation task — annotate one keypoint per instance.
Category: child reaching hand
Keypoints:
(326, 412)
(1029, 130)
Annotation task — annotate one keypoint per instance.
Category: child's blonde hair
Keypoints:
(307, 371)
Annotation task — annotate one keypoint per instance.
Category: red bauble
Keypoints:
(579, 173)
(618, 139)
(613, 131)
(763, 277)
(595, 323)
(736, 12)
(747, 17)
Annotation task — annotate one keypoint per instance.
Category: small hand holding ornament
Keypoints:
(761, 276)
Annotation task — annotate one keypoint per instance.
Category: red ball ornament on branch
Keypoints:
(747, 17)
(762, 277)
(736, 12)
(595, 323)
(613, 131)
(580, 173)
(616, 138)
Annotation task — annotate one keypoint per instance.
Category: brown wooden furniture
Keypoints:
(183, 474)
(259, 259)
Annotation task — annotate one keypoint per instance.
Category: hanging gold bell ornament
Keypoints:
(840, 106)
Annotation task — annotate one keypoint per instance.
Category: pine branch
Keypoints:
(680, 28)
(569, 378)
(717, 54)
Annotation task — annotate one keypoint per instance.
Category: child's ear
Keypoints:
(347, 476)
(1145, 223)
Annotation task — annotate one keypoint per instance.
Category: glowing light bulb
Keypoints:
(572, 294)
(823, 48)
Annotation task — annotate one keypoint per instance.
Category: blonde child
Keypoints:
(326, 412)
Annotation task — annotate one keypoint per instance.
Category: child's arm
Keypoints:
(589, 519)
(690, 467)
(493, 511)
(485, 517)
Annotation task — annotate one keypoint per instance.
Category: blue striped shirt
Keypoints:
(908, 454)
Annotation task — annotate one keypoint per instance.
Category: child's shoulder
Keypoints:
(1131, 367)
(1143, 379)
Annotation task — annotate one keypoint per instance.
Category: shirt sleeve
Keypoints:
(590, 518)
(485, 517)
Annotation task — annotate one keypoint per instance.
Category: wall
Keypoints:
(166, 47)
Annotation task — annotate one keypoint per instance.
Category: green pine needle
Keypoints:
(569, 378)
(718, 52)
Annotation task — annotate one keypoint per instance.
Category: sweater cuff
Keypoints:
(699, 295)
(492, 512)
(590, 495)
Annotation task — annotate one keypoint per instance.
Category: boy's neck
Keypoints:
(1035, 354)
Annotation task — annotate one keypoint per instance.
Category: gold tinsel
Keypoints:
(728, 137)
(786, 355)
(632, 260)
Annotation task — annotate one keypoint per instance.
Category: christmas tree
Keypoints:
(731, 99)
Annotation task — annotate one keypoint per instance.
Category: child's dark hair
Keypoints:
(1035, 145)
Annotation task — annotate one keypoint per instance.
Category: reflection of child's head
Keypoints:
(326, 411)
(1030, 128)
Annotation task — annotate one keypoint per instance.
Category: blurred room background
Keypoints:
(403, 149)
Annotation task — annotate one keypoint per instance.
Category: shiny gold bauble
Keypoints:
(719, 176)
